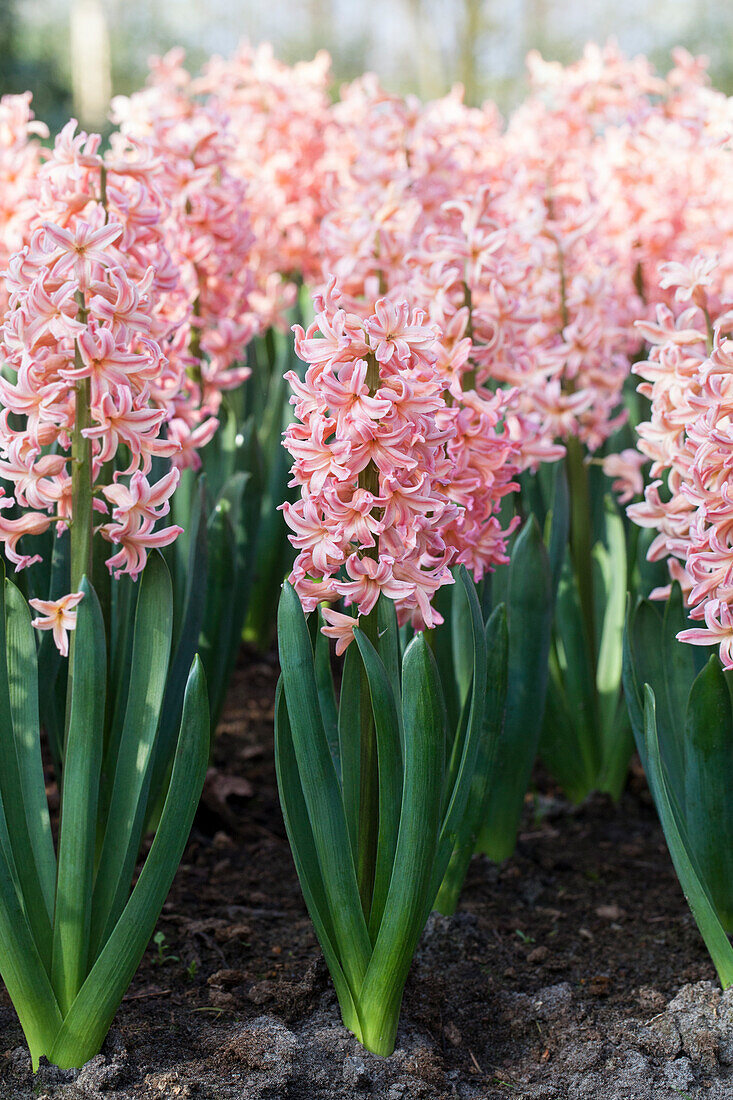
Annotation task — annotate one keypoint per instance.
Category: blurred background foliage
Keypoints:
(73, 54)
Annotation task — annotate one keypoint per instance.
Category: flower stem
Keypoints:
(81, 489)
(81, 501)
(368, 823)
(581, 539)
(368, 828)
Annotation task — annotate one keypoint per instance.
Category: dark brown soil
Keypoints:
(552, 981)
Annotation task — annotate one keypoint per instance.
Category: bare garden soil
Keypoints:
(573, 971)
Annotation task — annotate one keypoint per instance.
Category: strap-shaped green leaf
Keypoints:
(708, 785)
(563, 737)
(694, 888)
(389, 753)
(608, 668)
(558, 524)
(132, 769)
(462, 630)
(125, 592)
(644, 663)
(79, 793)
(405, 908)
(241, 494)
(633, 686)
(52, 701)
(225, 451)
(681, 664)
(388, 645)
(461, 778)
(321, 788)
(574, 754)
(23, 970)
(187, 630)
(274, 552)
(529, 610)
(349, 729)
(441, 642)
(305, 857)
(497, 644)
(219, 611)
(23, 688)
(326, 692)
(93, 1010)
(186, 510)
(16, 815)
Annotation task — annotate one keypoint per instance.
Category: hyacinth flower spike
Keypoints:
(73, 927)
(375, 788)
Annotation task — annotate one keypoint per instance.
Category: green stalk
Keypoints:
(581, 539)
(81, 480)
(368, 827)
(368, 823)
(80, 539)
(84, 724)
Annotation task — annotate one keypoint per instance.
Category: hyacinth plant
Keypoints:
(680, 703)
(84, 394)
(375, 789)
(682, 715)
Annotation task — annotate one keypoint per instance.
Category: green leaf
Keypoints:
(654, 656)
(326, 693)
(694, 889)
(564, 733)
(321, 789)
(305, 856)
(570, 743)
(91, 1014)
(13, 786)
(389, 755)
(242, 496)
(23, 688)
(405, 910)
(133, 766)
(681, 664)
(608, 669)
(497, 643)
(124, 602)
(349, 731)
(79, 794)
(558, 524)
(388, 645)
(643, 664)
(466, 754)
(441, 642)
(529, 610)
(188, 631)
(274, 552)
(219, 610)
(23, 970)
(52, 701)
(463, 636)
(708, 785)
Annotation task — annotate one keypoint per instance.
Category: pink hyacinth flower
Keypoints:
(58, 616)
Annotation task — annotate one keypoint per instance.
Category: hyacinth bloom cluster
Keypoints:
(689, 502)
(20, 156)
(242, 154)
(540, 240)
(277, 115)
(83, 340)
(207, 233)
(441, 207)
(370, 449)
